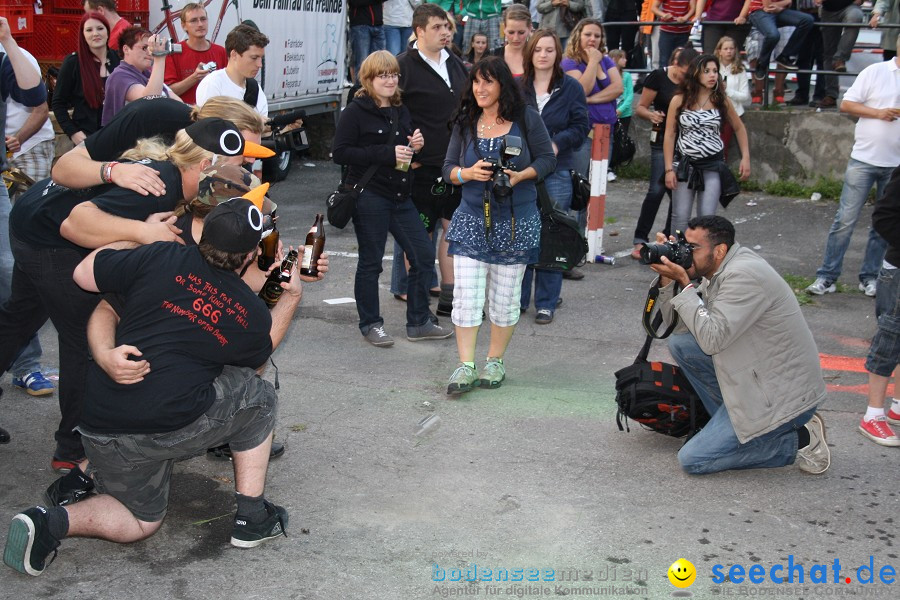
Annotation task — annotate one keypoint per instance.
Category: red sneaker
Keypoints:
(879, 432)
(893, 417)
(63, 466)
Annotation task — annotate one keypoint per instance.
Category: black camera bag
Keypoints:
(563, 245)
(656, 394)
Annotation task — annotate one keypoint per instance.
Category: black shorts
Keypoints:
(432, 198)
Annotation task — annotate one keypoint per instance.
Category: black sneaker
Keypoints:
(4, 436)
(223, 452)
(29, 542)
(798, 101)
(787, 63)
(69, 489)
(245, 534)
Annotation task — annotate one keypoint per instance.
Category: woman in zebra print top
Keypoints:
(694, 159)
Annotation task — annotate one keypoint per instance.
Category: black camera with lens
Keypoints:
(293, 139)
(510, 147)
(678, 251)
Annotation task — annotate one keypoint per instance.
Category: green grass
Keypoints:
(829, 187)
(611, 220)
(799, 283)
(634, 170)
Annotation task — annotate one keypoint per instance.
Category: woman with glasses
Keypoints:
(560, 101)
(376, 140)
(498, 149)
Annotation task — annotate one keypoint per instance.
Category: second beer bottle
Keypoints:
(315, 245)
(272, 290)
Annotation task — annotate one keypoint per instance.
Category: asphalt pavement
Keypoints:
(532, 481)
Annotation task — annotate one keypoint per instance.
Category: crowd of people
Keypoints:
(434, 137)
(551, 78)
(142, 250)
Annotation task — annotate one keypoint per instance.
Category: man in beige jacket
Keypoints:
(744, 345)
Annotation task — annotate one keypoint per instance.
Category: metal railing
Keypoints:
(861, 25)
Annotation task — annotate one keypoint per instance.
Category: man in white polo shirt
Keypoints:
(875, 98)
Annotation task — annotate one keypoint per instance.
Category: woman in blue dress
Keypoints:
(496, 230)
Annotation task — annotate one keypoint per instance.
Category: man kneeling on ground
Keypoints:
(205, 332)
(744, 345)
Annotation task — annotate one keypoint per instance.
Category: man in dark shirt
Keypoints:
(205, 333)
(432, 80)
(838, 41)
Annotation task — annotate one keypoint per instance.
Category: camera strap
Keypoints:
(652, 325)
(486, 202)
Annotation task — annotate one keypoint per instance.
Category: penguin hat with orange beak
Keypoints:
(223, 138)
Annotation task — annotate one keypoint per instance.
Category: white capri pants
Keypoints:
(469, 287)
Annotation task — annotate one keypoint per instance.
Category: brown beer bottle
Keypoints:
(268, 247)
(315, 245)
(272, 290)
(655, 132)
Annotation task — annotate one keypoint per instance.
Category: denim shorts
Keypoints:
(135, 469)
(884, 353)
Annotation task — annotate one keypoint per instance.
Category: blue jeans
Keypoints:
(548, 284)
(655, 193)
(884, 352)
(396, 38)
(858, 180)
(364, 40)
(716, 447)
(376, 216)
(28, 359)
(399, 278)
(768, 24)
(668, 41)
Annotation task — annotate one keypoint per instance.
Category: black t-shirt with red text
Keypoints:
(188, 319)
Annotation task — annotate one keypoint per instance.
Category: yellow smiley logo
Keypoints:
(682, 573)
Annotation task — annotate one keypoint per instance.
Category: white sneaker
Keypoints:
(821, 286)
(610, 176)
(869, 288)
(815, 458)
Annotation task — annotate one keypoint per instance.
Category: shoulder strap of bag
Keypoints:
(651, 327)
(544, 202)
(370, 172)
(251, 92)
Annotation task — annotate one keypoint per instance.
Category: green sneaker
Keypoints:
(462, 380)
(493, 374)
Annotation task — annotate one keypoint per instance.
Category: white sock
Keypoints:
(873, 413)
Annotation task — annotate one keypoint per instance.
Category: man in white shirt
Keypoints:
(29, 136)
(875, 98)
(246, 48)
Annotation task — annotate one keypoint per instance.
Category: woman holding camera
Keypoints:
(560, 101)
(498, 149)
(375, 131)
(82, 75)
(695, 161)
(133, 79)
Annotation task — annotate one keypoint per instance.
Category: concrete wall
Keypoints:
(801, 146)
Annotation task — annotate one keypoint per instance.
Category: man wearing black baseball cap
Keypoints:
(205, 333)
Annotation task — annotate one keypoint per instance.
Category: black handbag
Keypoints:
(563, 245)
(341, 203)
(624, 146)
(581, 191)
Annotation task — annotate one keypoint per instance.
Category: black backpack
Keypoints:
(658, 395)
